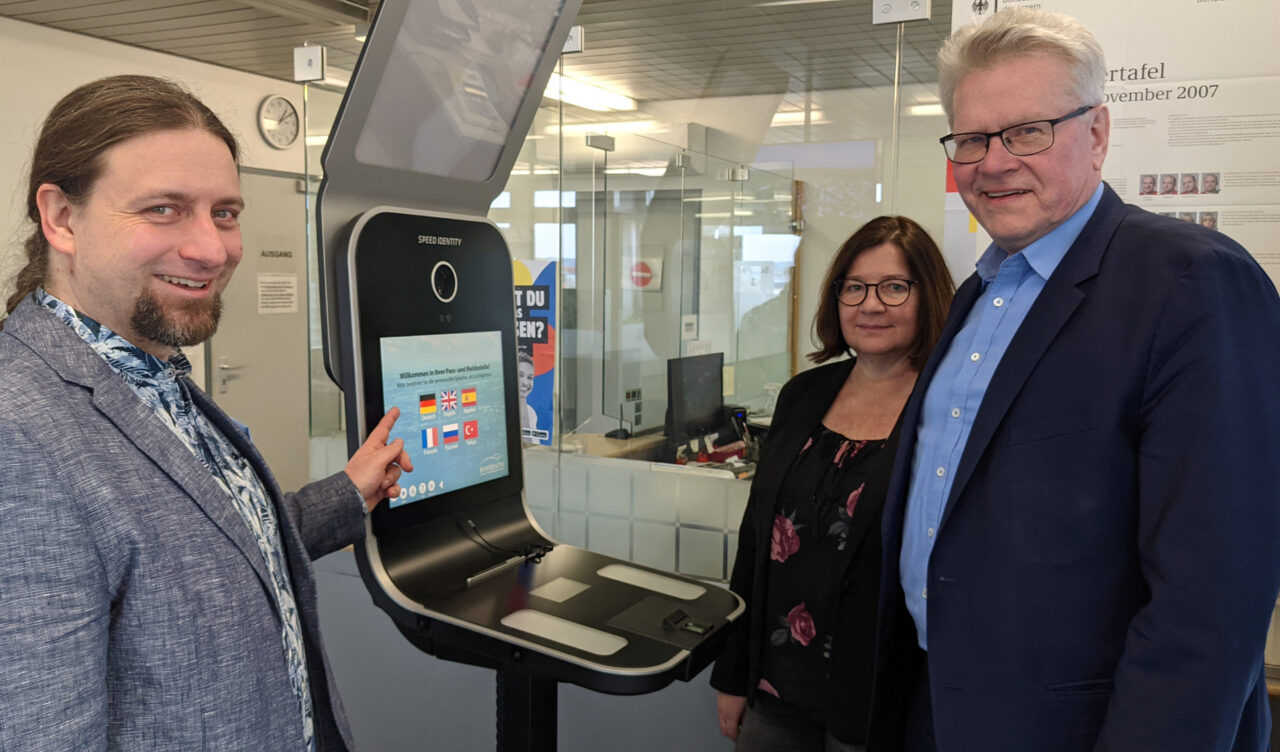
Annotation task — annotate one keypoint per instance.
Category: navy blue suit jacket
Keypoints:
(1106, 565)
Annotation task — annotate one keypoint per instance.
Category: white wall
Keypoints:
(42, 64)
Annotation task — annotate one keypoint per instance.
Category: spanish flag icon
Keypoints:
(426, 404)
(468, 397)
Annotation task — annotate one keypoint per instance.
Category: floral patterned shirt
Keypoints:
(163, 387)
(808, 556)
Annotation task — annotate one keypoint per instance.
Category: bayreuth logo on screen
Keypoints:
(494, 463)
(980, 6)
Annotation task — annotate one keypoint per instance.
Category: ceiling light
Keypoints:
(620, 126)
(524, 170)
(796, 117)
(724, 215)
(925, 110)
(582, 94)
(792, 2)
(652, 172)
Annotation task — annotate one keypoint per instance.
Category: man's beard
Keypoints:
(150, 320)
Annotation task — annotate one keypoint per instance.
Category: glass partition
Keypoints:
(328, 424)
(764, 266)
(674, 253)
(677, 229)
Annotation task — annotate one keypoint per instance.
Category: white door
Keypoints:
(257, 362)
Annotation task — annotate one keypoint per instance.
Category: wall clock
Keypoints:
(278, 121)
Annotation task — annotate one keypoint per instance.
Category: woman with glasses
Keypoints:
(796, 673)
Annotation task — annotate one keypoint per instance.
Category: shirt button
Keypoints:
(955, 412)
(998, 302)
(930, 532)
(941, 471)
(924, 593)
(975, 357)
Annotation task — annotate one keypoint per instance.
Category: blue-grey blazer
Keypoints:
(135, 610)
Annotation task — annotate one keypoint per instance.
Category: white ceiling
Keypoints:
(652, 50)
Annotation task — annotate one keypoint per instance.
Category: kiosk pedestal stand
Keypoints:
(526, 712)
(527, 701)
(418, 311)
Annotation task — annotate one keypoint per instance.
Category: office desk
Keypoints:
(649, 447)
(758, 425)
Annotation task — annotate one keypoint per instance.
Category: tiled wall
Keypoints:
(662, 516)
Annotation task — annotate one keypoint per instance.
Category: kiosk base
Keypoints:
(527, 708)
(526, 712)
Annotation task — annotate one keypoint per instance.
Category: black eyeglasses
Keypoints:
(891, 292)
(1022, 140)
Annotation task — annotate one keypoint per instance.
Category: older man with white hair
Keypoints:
(1082, 537)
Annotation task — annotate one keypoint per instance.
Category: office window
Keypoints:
(547, 199)
(547, 239)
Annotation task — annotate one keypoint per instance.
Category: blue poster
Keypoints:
(535, 294)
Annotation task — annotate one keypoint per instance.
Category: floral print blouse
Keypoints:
(808, 555)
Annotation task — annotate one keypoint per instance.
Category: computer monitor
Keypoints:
(695, 396)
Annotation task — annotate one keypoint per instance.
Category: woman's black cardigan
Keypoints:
(800, 407)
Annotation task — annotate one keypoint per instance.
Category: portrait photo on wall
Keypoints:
(1209, 182)
(1190, 183)
(1147, 184)
(1209, 219)
(1169, 184)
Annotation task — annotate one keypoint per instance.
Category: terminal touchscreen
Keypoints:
(436, 341)
(449, 388)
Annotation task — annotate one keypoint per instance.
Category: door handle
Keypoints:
(223, 376)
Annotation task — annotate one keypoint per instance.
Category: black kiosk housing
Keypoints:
(418, 308)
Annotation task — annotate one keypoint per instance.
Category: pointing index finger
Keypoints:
(382, 431)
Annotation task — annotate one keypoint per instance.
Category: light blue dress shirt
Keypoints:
(1011, 284)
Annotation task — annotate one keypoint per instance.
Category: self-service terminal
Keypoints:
(417, 301)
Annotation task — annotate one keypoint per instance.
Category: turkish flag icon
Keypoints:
(470, 429)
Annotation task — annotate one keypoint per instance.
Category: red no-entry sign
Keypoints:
(641, 274)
